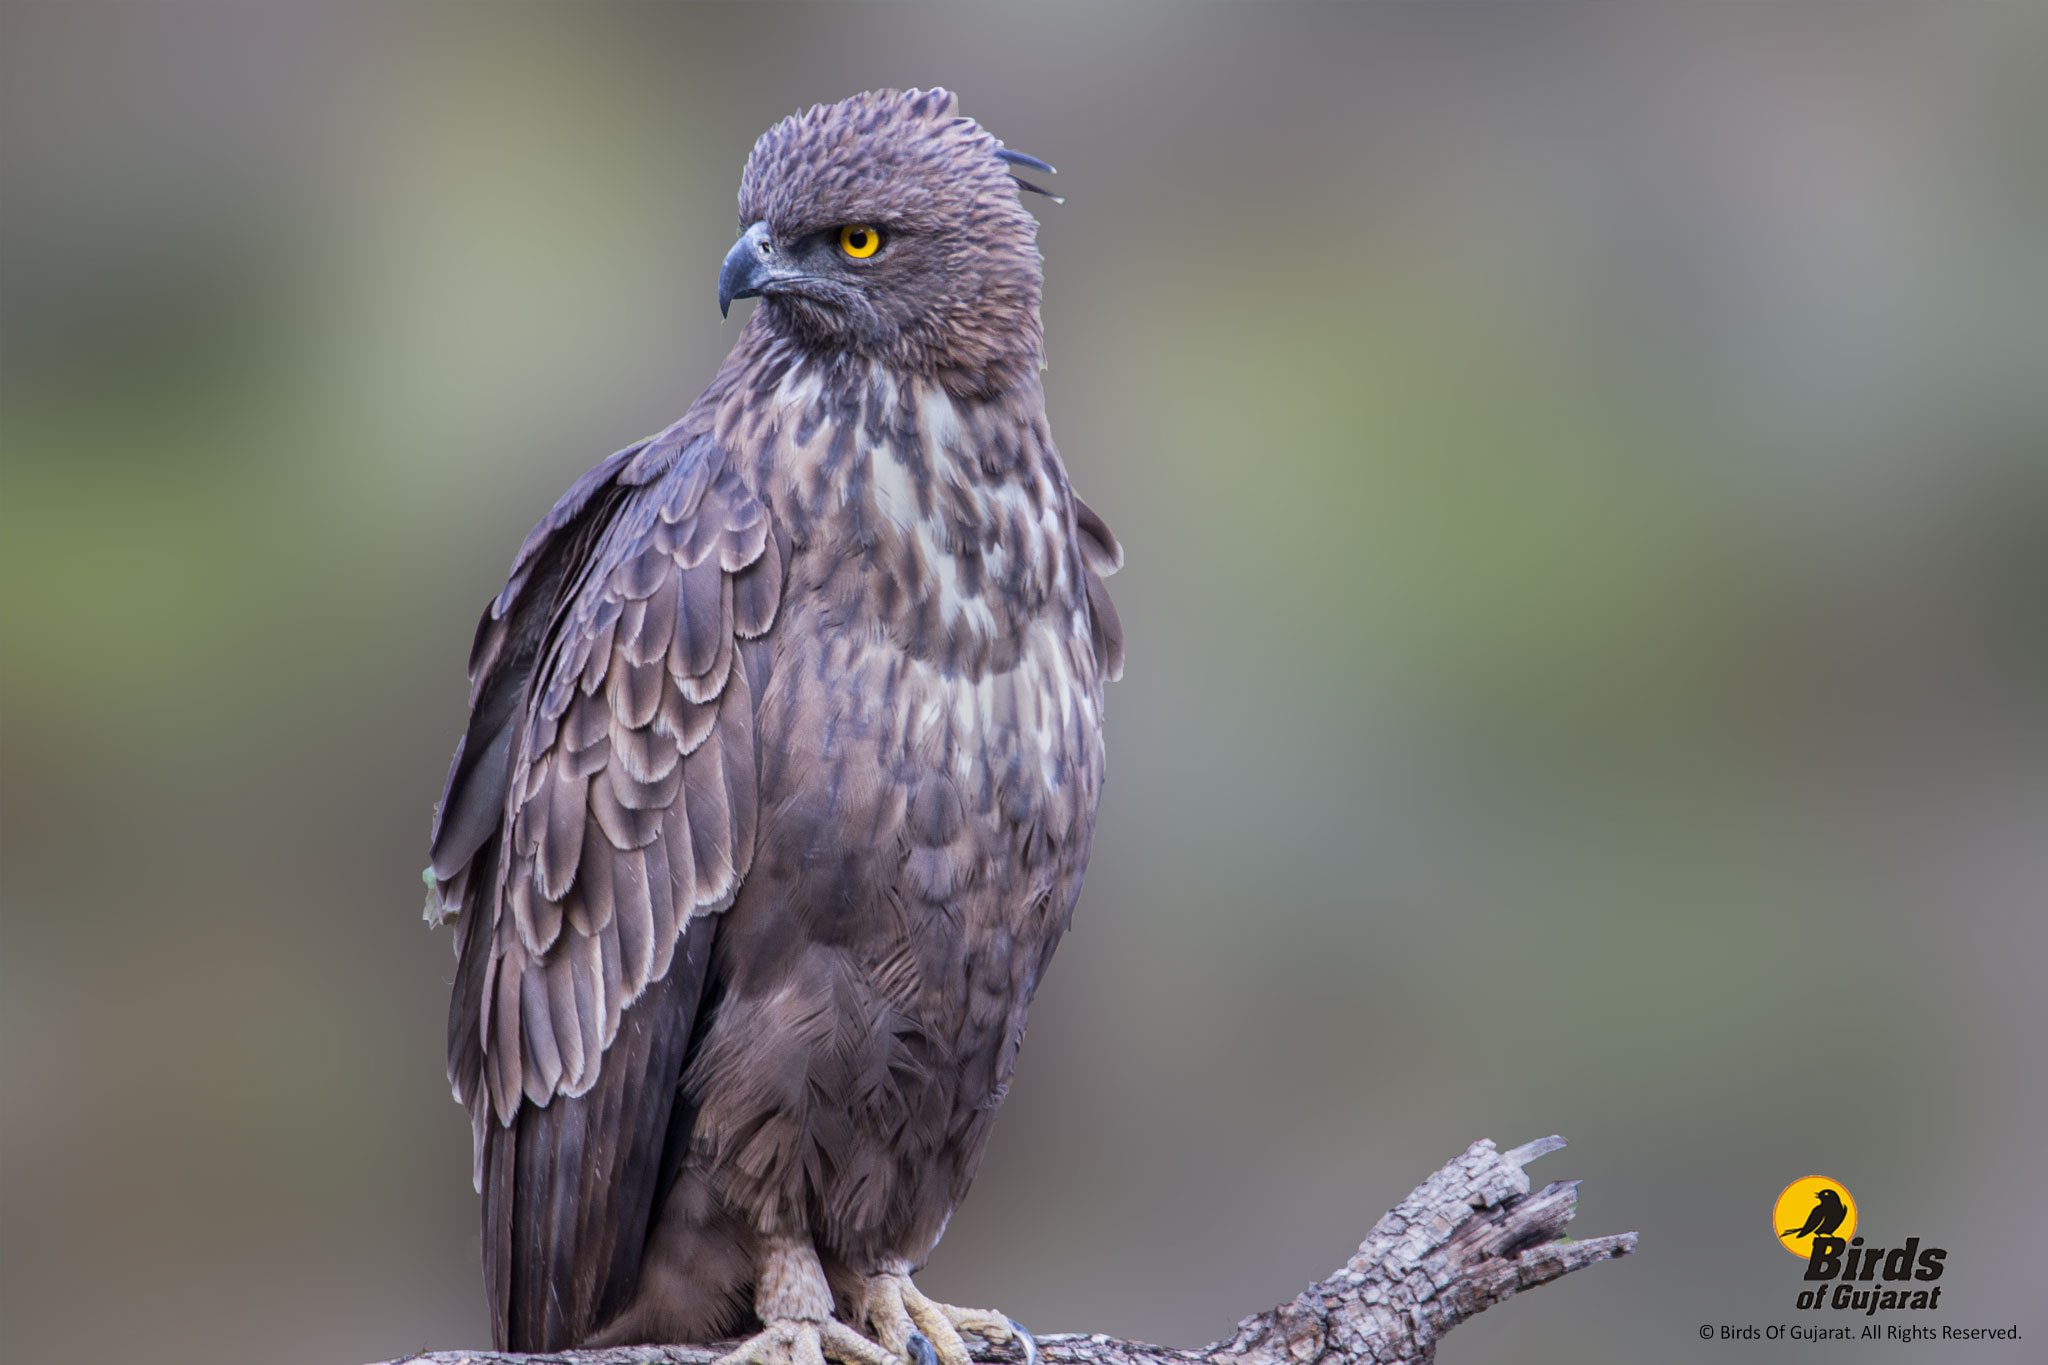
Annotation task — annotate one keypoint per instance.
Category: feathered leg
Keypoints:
(794, 1300)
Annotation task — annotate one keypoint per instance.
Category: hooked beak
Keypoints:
(750, 269)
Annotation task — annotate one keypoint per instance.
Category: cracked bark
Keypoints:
(1470, 1236)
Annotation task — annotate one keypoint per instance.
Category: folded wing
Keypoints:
(600, 807)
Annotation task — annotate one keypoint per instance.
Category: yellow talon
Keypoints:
(898, 1310)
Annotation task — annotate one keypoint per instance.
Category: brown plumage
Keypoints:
(780, 779)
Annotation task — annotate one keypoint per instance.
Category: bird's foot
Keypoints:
(927, 1332)
(806, 1341)
(792, 1298)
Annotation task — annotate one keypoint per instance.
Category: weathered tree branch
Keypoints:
(1463, 1240)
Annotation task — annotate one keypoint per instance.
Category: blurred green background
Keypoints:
(1584, 472)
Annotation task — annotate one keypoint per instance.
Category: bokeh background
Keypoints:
(1585, 478)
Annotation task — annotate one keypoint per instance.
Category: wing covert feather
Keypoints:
(599, 810)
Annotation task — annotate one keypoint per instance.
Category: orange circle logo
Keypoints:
(1812, 1206)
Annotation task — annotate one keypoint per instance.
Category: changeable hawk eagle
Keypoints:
(780, 777)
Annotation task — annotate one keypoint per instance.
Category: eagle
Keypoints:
(779, 781)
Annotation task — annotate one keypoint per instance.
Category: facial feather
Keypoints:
(953, 290)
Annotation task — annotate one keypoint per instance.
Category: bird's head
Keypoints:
(888, 225)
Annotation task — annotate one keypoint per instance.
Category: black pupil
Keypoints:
(858, 239)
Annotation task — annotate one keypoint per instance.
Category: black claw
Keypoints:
(1030, 1342)
(921, 1352)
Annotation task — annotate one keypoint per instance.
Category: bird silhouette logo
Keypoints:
(1812, 1206)
(1828, 1213)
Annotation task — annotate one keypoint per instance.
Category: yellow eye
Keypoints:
(860, 241)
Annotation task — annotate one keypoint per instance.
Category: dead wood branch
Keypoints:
(1463, 1240)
